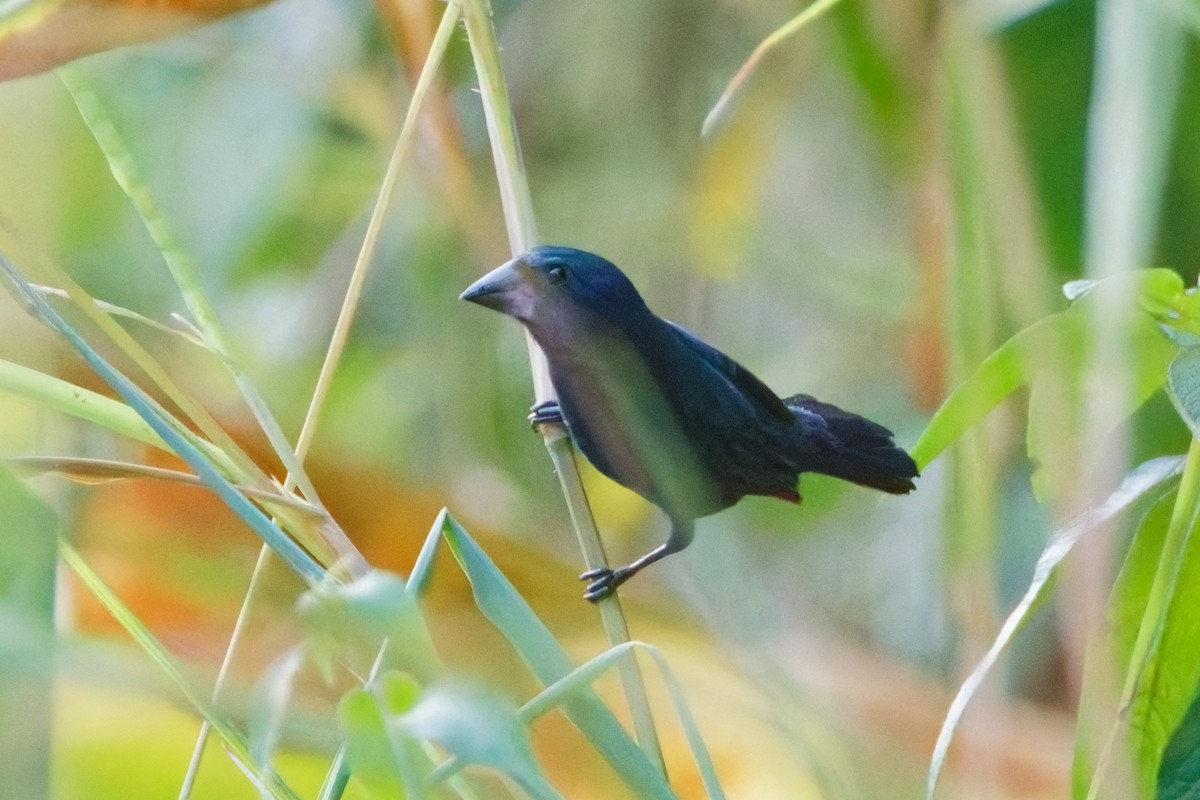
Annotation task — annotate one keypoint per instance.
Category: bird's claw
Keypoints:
(545, 412)
(602, 583)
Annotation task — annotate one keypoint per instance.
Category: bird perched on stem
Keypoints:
(667, 415)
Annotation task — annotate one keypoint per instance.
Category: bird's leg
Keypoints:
(545, 412)
(604, 581)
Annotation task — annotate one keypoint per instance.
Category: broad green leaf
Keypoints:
(360, 616)
(1179, 776)
(392, 693)
(1141, 481)
(1058, 347)
(478, 727)
(1056, 409)
(1151, 643)
(1183, 380)
(398, 692)
(1170, 680)
(383, 769)
(1109, 652)
(1001, 373)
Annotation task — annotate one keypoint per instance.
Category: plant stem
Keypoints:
(519, 218)
(1184, 516)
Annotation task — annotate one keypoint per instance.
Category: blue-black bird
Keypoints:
(667, 415)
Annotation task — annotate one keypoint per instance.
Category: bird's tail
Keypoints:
(851, 447)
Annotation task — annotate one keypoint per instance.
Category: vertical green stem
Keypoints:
(971, 334)
(1184, 516)
(1138, 67)
(1183, 521)
(518, 214)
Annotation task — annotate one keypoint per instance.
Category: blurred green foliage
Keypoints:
(895, 193)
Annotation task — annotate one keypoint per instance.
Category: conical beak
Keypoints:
(504, 289)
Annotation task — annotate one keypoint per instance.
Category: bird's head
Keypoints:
(550, 284)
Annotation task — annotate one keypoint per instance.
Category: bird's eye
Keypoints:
(557, 274)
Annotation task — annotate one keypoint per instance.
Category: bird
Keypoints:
(663, 413)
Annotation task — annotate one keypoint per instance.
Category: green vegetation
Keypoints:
(231, 261)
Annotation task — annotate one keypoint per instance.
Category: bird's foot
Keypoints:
(545, 412)
(603, 582)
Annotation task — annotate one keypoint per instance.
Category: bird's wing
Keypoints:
(742, 378)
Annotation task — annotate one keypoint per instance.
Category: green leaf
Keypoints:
(358, 617)
(1058, 347)
(378, 765)
(1000, 374)
(1110, 650)
(1170, 679)
(1183, 382)
(76, 401)
(481, 728)
(398, 692)
(1179, 777)
(1150, 641)
(1056, 397)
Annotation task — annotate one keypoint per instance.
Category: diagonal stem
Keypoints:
(333, 356)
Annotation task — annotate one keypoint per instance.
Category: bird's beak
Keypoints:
(504, 289)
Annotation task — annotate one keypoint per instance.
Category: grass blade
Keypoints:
(90, 471)
(589, 672)
(167, 428)
(335, 783)
(55, 393)
(124, 170)
(189, 333)
(1137, 484)
(777, 37)
(508, 611)
(133, 626)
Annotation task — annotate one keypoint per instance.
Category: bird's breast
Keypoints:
(624, 422)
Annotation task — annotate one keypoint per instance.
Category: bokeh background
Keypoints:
(895, 191)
